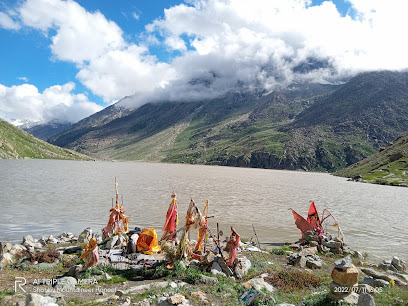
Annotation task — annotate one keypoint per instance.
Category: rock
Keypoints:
(365, 288)
(308, 251)
(30, 243)
(107, 276)
(375, 282)
(199, 295)
(43, 241)
(294, 246)
(144, 302)
(176, 299)
(330, 254)
(216, 269)
(28, 238)
(6, 259)
(313, 243)
(119, 293)
(348, 277)
(73, 249)
(258, 283)
(349, 298)
(131, 247)
(397, 264)
(243, 266)
(297, 260)
(52, 240)
(344, 263)
(34, 299)
(162, 301)
(358, 255)
(338, 251)
(112, 242)
(75, 271)
(85, 236)
(208, 258)
(208, 279)
(365, 299)
(375, 274)
(332, 244)
(66, 283)
(7, 247)
(314, 264)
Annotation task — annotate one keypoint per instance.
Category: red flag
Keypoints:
(301, 223)
(313, 217)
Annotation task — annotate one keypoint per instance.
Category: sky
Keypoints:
(63, 60)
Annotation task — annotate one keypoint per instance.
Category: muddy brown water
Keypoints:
(42, 197)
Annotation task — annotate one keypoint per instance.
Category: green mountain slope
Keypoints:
(15, 143)
(306, 126)
(389, 166)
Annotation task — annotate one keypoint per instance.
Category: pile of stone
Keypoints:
(307, 257)
(327, 245)
(9, 253)
(344, 286)
(394, 265)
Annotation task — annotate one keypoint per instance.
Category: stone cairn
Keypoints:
(344, 286)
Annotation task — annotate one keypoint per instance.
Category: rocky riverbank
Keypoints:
(49, 271)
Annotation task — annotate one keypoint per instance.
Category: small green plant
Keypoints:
(193, 275)
(321, 300)
(5, 292)
(281, 251)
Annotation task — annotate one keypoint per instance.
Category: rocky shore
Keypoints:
(49, 271)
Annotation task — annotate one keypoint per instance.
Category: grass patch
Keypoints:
(395, 296)
(281, 251)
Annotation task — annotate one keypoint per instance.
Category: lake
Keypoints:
(43, 197)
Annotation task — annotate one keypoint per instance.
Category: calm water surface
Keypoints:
(42, 197)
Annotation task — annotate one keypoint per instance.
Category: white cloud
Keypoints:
(136, 15)
(24, 79)
(256, 44)
(58, 103)
(6, 22)
(124, 72)
(80, 35)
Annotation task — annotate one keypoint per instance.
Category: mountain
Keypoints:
(45, 131)
(389, 166)
(305, 126)
(16, 143)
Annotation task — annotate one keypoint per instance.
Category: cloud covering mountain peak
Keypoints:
(217, 45)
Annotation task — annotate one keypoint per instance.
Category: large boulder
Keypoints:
(365, 299)
(258, 283)
(242, 267)
(5, 259)
(35, 299)
(85, 236)
(398, 264)
(347, 277)
(376, 274)
(66, 283)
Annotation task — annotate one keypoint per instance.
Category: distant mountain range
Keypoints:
(305, 126)
(15, 143)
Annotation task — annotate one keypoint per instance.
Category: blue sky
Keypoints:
(64, 60)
